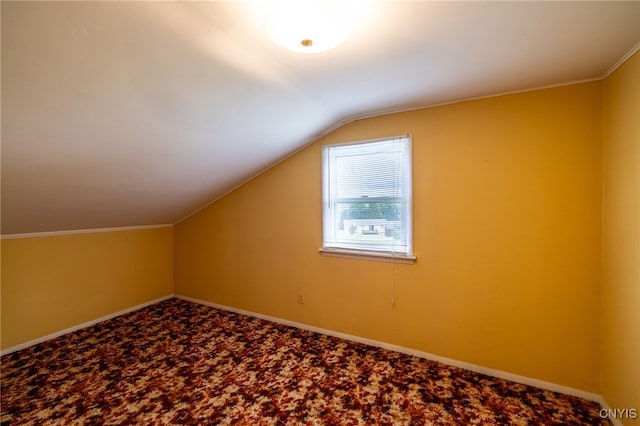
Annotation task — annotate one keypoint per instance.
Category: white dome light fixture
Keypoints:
(310, 26)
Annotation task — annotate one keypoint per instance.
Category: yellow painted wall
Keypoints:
(56, 282)
(621, 239)
(507, 201)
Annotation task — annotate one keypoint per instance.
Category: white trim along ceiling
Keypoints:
(123, 114)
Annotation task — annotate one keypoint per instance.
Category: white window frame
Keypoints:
(331, 244)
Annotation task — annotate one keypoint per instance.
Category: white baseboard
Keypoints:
(605, 406)
(83, 325)
(452, 362)
(401, 349)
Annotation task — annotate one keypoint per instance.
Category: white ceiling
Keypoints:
(138, 113)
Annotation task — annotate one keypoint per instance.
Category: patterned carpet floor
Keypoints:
(180, 363)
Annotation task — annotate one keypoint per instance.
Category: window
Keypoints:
(367, 198)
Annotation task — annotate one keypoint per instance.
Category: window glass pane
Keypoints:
(367, 196)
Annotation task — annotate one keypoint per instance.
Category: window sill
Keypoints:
(368, 255)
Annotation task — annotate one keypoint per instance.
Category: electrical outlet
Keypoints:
(300, 298)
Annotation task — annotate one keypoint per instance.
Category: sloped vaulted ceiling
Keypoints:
(138, 113)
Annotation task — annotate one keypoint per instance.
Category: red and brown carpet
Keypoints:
(182, 363)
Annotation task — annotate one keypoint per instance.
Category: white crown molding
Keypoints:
(621, 61)
(80, 231)
(83, 325)
(348, 120)
(401, 349)
(340, 123)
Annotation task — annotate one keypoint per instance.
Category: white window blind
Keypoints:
(367, 196)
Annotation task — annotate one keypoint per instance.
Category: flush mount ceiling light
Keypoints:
(310, 26)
